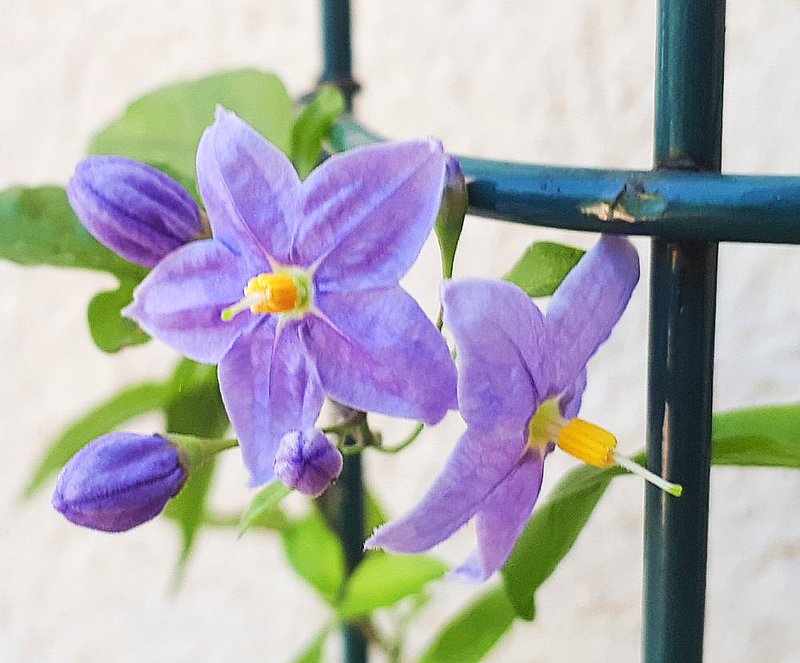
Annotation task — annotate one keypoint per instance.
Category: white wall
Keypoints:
(549, 82)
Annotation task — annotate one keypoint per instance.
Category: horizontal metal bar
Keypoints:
(675, 205)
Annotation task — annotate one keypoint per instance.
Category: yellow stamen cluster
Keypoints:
(279, 293)
(276, 292)
(587, 442)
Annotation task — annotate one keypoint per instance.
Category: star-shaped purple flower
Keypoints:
(521, 378)
(296, 295)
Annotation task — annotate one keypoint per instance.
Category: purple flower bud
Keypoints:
(307, 462)
(119, 481)
(134, 209)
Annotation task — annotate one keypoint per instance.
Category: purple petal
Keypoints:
(308, 462)
(502, 517)
(133, 209)
(119, 481)
(377, 351)
(367, 213)
(180, 301)
(480, 461)
(250, 189)
(269, 387)
(500, 341)
(588, 304)
(570, 400)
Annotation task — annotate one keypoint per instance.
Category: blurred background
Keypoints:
(562, 83)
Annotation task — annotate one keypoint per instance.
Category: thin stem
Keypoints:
(402, 445)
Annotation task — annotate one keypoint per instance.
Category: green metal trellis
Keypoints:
(687, 207)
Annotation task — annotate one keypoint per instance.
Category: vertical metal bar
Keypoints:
(688, 134)
(337, 48)
(352, 533)
(338, 70)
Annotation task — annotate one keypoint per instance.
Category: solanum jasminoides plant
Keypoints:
(273, 269)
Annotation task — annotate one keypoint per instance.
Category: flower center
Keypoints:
(286, 291)
(585, 441)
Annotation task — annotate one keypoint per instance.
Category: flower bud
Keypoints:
(307, 462)
(450, 220)
(134, 209)
(119, 481)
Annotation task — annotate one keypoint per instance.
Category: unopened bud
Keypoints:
(119, 481)
(307, 462)
(134, 209)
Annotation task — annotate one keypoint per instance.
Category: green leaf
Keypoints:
(164, 127)
(550, 534)
(382, 580)
(313, 126)
(761, 436)
(110, 330)
(199, 411)
(374, 515)
(313, 653)
(188, 510)
(316, 554)
(103, 419)
(38, 227)
(473, 633)
(265, 500)
(543, 267)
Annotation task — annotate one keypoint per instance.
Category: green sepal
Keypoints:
(543, 267)
(312, 128)
(38, 227)
(381, 580)
(164, 126)
(266, 500)
(473, 632)
(110, 330)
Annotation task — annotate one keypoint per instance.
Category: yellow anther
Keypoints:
(278, 293)
(589, 443)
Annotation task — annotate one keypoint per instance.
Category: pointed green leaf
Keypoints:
(164, 127)
(473, 633)
(761, 436)
(382, 580)
(194, 411)
(543, 267)
(550, 534)
(110, 330)
(313, 653)
(316, 554)
(313, 126)
(265, 500)
(103, 419)
(38, 227)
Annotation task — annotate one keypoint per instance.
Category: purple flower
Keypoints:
(521, 378)
(119, 481)
(297, 295)
(134, 209)
(307, 462)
